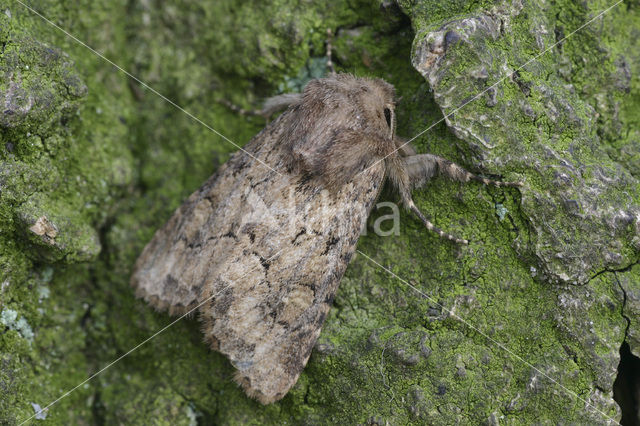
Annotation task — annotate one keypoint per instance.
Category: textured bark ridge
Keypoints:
(92, 164)
(581, 203)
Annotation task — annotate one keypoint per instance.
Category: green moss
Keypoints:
(106, 161)
(64, 159)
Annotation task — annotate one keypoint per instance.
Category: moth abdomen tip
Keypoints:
(242, 379)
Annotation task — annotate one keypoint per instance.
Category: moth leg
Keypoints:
(398, 173)
(404, 148)
(431, 227)
(271, 105)
(422, 167)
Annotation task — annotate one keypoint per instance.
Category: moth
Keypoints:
(261, 247)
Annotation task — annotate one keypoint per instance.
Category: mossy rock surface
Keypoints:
(524, 325)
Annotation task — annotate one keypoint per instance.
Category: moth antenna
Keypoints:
(431, 227)
(332, 70)
(271, 105)
(238, 110)
(278, 103)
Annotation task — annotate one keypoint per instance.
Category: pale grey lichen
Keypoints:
(23, 327)
(315, 68)
(192, 415)
(43, 293)
(9, 318)
(40, 413)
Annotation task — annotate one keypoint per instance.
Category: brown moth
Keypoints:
(260, 248)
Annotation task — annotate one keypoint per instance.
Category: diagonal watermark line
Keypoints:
(467, 102)
(128, 74)
(486, 336)
(157, 333)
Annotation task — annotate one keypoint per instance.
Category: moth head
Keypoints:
(341, 126)
(378, 104)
